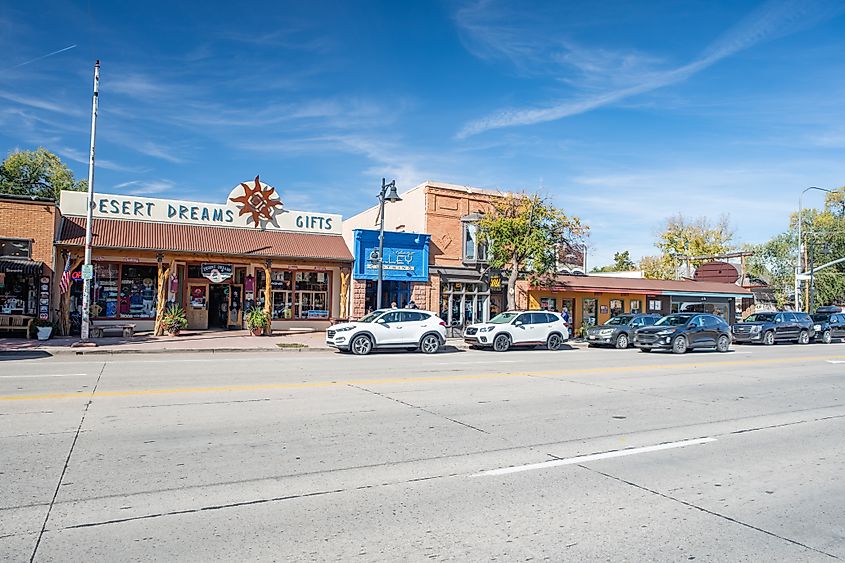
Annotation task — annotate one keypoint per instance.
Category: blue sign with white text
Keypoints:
(405, 256)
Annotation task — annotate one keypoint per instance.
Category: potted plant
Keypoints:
(257, 321)
(43, 329)
(174, 320)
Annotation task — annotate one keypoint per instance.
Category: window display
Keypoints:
(281, 283)
(312, 293)
(138, 292)
(617, 307)
(106, 278)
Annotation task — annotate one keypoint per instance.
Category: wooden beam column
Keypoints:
(268, 296)
(163, 280)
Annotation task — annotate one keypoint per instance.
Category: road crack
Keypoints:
(67, 462)
(707, 511)
(425, 410)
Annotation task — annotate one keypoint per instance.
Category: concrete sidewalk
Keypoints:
(193, 341)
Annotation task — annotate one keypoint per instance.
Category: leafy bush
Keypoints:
(174, 319)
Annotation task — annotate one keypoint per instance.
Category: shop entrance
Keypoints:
(218, 305)
(391, 292)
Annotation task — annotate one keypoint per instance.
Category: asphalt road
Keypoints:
(572, 455)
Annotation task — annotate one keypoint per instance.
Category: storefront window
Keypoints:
(138, 292)
(474, 250)
(18, 248)
(589, 307)
(636, 306)
(548, 303)
(17, 294)
(463, 303)
(106, 277)
(281, 283)
(312, 295)
(617, 307)
(654, 305)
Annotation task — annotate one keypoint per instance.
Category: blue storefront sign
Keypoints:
(405, 256)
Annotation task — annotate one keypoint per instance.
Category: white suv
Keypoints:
(411, 329)
(519, 328)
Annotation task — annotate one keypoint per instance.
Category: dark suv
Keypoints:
(829, 323)
(684, 331)
(619, 331)
(771, 327)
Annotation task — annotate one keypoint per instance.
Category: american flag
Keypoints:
(64, 282)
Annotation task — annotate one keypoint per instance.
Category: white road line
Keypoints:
(836, 361)
(594, 457)
(43, 375)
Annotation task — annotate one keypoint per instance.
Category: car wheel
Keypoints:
(361, 345)
(554, 341)
(622, 341)
(501, 343)
(679, 345)
(769, 338)
(723, 344)
(827, 337)
(430, 344)
(804, 337)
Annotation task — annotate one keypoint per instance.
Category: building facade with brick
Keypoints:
(459, 286)
(27, 226)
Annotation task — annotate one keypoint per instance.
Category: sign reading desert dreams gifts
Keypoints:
(250, 204)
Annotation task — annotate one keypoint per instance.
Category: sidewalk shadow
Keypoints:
(24, 355)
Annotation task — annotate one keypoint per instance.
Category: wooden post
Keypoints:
(268, 297)
(163, 280)
(344, 293)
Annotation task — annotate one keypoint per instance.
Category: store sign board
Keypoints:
(251, 204)
(217, 273)
(405, 256)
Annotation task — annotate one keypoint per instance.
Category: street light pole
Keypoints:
(798, 268)
(387, 193)
(89, 215)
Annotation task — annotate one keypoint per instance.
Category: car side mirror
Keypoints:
(381, 322)
(518, 323)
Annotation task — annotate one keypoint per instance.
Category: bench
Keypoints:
(15, 323)
(127, 331)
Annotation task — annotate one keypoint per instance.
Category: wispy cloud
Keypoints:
(39, 103)
(82, 157)
(774, 19)
(145, 187)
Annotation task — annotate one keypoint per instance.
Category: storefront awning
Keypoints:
(20, 266)
(174, 237)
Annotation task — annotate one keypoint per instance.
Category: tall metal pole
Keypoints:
(380, 243)
(811, 302)
(798, 266)
(89, 217)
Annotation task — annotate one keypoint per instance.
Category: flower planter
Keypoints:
(44, 332)
(174, 332)
(257, 331)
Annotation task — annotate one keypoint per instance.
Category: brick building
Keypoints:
(27, 227)
(460, 286)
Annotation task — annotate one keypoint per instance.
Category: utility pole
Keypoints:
(89, 217)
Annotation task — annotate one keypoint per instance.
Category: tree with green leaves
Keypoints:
(682, 239)
(523, 233)
(37, 173)
(621, 263)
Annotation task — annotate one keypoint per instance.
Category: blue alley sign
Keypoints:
(405, 256)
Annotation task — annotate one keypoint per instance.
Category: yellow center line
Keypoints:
(417, 379)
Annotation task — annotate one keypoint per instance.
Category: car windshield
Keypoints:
(674, 320)
(761, 318)
(503, 318)
(818, 317)
(372, 316)
(620, 320)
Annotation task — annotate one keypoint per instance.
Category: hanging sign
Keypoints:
(217, 273)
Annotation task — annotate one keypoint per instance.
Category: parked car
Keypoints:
(519, 328)
(619, 331)
(829, 323)
(411, 329)
(680, 332)
(770, 327)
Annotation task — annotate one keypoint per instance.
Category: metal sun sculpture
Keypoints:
(258, 201)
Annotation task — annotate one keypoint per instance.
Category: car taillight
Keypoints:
(566, 324)
(442, 323)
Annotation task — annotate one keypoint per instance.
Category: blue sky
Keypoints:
(622, 112)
